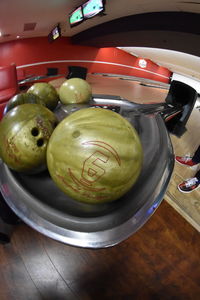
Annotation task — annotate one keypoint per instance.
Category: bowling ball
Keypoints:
(75, 90)
(46, 92)
(94, 155)
(24, 133)
(22, 98)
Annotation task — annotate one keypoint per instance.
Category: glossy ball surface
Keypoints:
(94, 155)
(23, 98)
(75, 90)
(24, 133)
(46, 92)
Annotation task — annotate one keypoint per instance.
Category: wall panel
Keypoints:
(34, 55)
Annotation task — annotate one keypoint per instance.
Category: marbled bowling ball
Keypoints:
(46, 92)
(24, 133)
(23, 98)
(94, 155)
(75, 90)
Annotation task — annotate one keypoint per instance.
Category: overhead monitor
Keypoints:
(54, 34)
(76, 16)
(92, 8)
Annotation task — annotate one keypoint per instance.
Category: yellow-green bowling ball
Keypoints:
(23, 98)
(94, 155)
(24, 133)
(46, 92)
(75, 90)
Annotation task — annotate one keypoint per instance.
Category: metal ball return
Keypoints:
(39, 203)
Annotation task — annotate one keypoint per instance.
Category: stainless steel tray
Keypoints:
(40, 204)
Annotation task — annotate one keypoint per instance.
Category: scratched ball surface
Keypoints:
(75, 90)
(23, 98)
(46, 92)
(94, 155)
(24, 133)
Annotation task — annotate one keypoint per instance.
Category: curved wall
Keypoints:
(35, 55)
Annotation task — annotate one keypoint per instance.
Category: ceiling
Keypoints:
(46, 14)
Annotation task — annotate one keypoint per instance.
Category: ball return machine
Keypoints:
(40, 204)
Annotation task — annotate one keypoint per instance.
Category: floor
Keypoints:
(160, 261)
(188, 205)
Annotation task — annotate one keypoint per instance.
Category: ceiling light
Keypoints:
(18, 36)
(0, 33)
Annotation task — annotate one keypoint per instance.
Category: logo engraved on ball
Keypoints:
(94, 167)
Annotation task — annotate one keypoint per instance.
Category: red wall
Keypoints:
(34, 55)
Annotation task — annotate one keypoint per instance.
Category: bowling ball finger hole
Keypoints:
(40, 142)
(35, 131)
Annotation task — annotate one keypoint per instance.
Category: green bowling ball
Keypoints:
(94, 155)
(24, 133)
(75, 90)
(23, 98)
(46, 92)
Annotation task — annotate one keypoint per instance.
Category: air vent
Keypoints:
(29, 26)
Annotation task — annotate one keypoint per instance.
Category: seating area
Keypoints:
(52, 71)
(21, 75)
(76, 71)
(8, 85)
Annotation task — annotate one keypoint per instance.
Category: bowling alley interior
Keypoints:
(136, 62)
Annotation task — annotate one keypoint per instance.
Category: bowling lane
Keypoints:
(129, 89)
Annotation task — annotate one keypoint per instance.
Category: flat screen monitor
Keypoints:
(54, 34)
(76, 16)
(92, 8)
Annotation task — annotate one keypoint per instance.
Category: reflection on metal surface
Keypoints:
(33, 79)
(40, 204)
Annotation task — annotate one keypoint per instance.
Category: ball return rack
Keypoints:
(37, 201)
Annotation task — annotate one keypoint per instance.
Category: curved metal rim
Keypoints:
(93, 240)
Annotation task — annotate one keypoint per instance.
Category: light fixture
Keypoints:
(0, 33)
(17, 36)
(142, 63)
